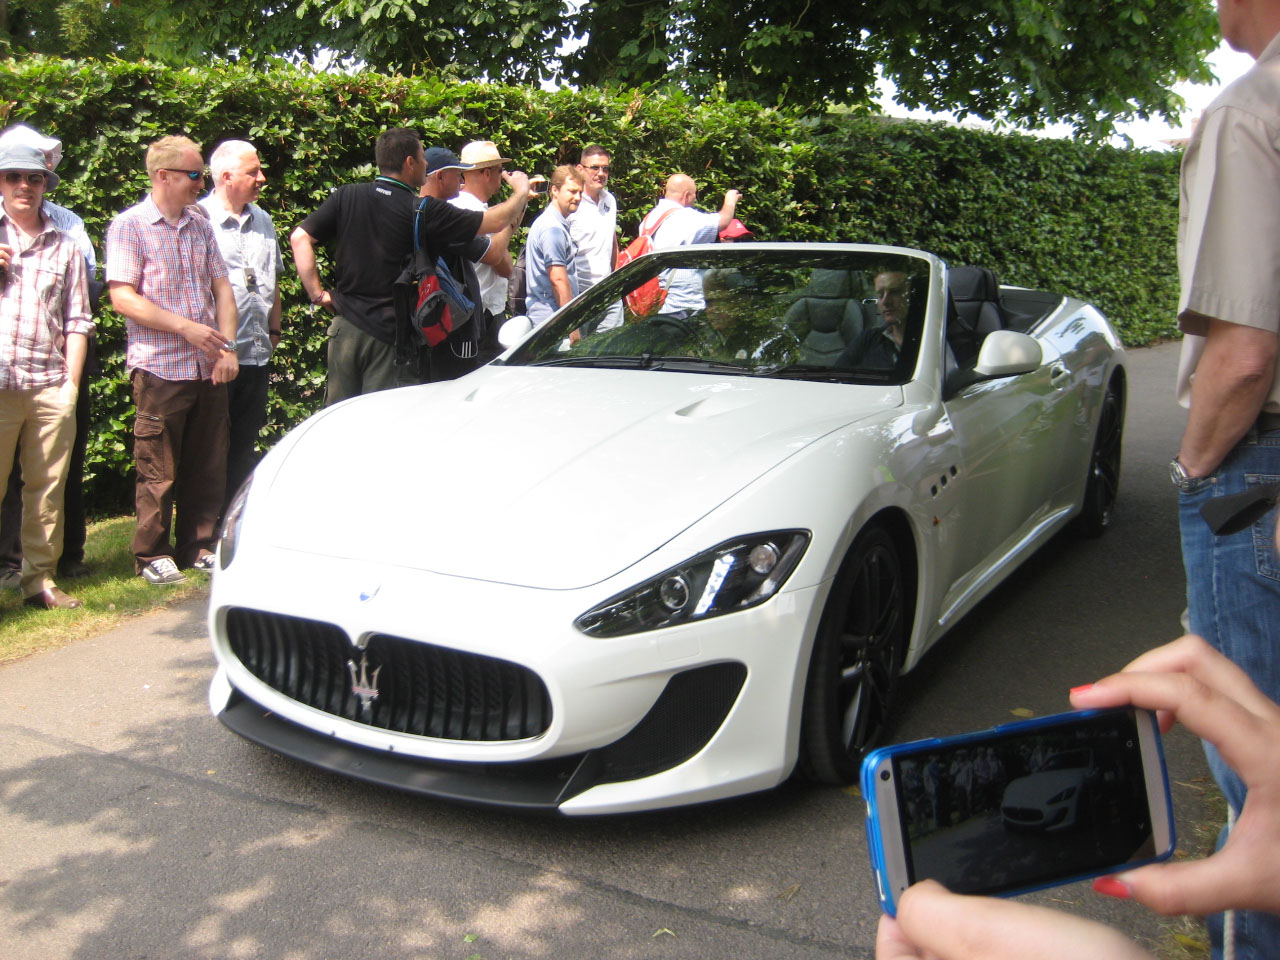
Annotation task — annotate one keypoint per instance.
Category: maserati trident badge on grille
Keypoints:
(362, 685)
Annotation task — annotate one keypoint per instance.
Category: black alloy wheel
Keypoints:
(1103, 484)
(855, 662)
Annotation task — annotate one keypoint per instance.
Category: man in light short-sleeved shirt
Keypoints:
(549, 256)
(1229, 309)
(685, 226)
(480, 182)
(169, 281)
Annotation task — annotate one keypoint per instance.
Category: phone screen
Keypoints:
(1020, 810)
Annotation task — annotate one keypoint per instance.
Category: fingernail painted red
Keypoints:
(1112, 887)
(1084, 686)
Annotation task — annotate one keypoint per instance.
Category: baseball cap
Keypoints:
(734, 230)
(438, 158)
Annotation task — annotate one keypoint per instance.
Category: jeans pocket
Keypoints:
(1264, 533)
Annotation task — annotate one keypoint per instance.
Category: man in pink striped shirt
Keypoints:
(169, 280)
(44, 331)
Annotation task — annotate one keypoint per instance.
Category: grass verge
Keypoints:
(112, 593)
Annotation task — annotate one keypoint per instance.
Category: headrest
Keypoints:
(973, 283)
(833, 284)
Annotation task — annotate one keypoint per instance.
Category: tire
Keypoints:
(1103, 483)
(856, 657)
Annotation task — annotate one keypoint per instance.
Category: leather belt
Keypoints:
(1268, 421)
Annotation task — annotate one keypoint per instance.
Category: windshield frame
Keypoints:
(548, 343)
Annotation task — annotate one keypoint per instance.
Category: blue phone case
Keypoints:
(873, 759)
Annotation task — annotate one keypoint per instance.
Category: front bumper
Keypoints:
(675, 716)
(690, 710)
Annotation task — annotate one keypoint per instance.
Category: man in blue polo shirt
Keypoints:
(549, 253)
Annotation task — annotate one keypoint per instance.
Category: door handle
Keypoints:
(1059, 374)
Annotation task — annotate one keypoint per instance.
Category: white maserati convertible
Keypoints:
(641, 561)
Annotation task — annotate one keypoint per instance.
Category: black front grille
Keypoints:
(421, 689)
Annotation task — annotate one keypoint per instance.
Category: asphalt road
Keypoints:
(132, 825)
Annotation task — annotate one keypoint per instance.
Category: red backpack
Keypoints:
(650, 295)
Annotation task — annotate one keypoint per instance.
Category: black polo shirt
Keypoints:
(369, 230)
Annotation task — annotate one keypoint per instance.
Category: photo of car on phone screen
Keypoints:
(1020, 807)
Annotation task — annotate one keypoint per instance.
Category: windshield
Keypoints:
(1070, 760)
(841, 315)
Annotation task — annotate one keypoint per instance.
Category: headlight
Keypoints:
(230, 532)
(1062, 795)
(735, 575)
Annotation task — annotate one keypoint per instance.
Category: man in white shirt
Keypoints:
(594, 226)
(480, 182)
(684, 226)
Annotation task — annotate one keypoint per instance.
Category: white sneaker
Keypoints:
(163, 570)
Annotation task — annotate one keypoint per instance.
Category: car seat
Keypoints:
(827, 317)
(974, 311)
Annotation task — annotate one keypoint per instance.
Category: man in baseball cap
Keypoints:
(444, 167)
(736, 230)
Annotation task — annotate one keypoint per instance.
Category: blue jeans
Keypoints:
(1233, 601)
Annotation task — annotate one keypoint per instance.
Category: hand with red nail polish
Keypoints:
(1188, 681)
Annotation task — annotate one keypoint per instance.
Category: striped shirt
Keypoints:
(173, 266)
(45, 299)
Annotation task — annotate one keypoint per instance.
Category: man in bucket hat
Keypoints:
(72, 562)
(44, 313)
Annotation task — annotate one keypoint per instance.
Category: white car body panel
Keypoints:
(487, 514)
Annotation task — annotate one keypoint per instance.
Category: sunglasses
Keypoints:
(1239, 511)
(192, 175)
(34, 179)
(599, 167)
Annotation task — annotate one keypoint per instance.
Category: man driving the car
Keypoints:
(879, 346)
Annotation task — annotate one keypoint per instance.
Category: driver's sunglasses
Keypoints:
(192, 175)
(33, 179)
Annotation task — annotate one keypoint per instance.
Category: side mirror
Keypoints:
(513, 331)
(1006, 353)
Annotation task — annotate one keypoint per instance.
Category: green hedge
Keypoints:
(1093, 221)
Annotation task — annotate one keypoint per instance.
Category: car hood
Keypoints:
(1036, 789)
(547, 478)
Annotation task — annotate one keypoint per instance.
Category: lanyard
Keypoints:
(399, 183)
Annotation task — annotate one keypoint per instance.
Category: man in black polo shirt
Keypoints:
(369, 229)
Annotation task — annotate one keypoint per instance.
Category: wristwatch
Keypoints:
(1178, 474)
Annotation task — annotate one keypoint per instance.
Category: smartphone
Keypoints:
(1020, 807)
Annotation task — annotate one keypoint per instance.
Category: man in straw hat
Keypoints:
(480, 182)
